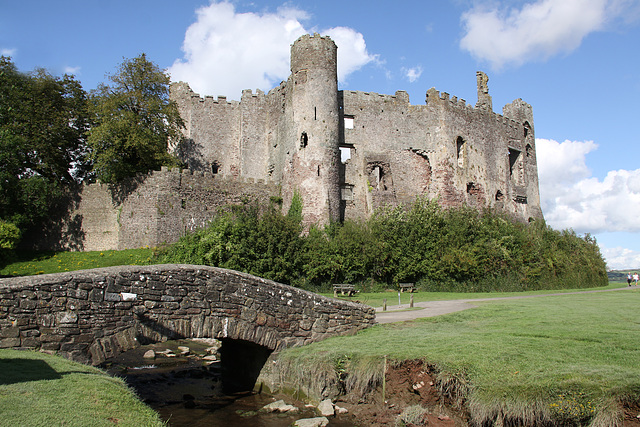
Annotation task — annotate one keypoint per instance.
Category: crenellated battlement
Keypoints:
(443, 99)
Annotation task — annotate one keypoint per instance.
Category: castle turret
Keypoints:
(314, 150)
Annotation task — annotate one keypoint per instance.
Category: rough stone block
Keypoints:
(9, 342)
(9, 332)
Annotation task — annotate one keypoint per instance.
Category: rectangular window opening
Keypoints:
(345, 154)
(348, 122)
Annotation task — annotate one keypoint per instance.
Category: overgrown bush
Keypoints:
(9, 238)
(460, 249)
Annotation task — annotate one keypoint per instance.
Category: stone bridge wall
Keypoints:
(95, 314)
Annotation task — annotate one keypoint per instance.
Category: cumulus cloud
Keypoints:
(226, 51)
(620, 258)
(412, 74)
(572, 198)
(537, 31)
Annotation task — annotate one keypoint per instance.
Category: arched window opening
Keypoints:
(460, 150)
(516, 166)
(527, 129)
(528, 150)
(215, 167)
(304, 140)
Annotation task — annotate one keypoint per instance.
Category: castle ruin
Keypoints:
(349, 152)
(345, 153)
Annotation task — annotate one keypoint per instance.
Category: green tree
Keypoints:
(43, 124)
(135, 120)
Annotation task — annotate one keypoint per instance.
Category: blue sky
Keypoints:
(576, 62)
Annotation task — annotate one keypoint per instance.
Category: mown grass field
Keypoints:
(375, 299)
(38, 389)
(568, 357)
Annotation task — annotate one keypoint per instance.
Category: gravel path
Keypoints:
(437, 308)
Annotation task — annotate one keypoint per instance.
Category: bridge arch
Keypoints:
(92, 315)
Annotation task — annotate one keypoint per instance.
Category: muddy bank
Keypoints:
(411, 393)
(376, 395)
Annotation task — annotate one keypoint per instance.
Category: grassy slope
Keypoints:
(529, 358)
(38, 389)
(31, 263)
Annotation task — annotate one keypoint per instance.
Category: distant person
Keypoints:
(629, 279)
(636, 277)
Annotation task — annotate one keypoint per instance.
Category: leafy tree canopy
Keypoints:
(135, 120)
(43, 123)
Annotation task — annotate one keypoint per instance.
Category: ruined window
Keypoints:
(460, 150)
(215, 167)
(528, 149)
(346, 192)
(499, 196)
(345, 154)
(304, 140)
(348, 122)
(527, 129)
(516, 166)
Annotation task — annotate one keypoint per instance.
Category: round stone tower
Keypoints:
(314, 161)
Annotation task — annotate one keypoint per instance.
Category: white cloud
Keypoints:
(7, 52)
(226, 51)
(412, 74)
(537, 31)
(72, 70)
(352, 50)
(572, 198)
(620, 258)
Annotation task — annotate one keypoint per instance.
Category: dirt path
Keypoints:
(436, 308)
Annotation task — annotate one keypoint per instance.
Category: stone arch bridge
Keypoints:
(92, 315)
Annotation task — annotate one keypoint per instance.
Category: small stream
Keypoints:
(187, 390)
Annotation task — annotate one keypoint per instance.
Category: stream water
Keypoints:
(187, 390)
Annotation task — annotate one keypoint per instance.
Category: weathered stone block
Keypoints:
(27, 304)
(9, 332)
(9, 342)
(66, 317)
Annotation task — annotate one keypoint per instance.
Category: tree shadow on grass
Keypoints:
(24, 370)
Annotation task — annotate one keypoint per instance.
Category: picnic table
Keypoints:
(344, 289)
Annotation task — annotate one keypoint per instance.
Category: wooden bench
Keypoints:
(409, 287)
(344, 289)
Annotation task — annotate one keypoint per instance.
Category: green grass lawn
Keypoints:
(31, 263)
(565, 357)
(38, 389)
(375, 299)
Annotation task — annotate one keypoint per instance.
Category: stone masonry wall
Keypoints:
(92, 315)
(151, 210)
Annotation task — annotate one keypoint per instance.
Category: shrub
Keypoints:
(9, 238)
(457, 249)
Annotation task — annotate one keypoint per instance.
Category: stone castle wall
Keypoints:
(346, 153)
(151, 210)
(293, 135)
(95, 314)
